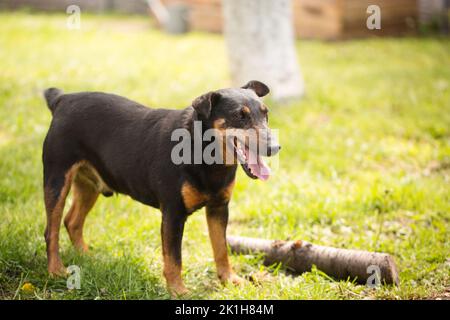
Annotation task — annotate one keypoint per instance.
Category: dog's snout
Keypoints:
(273, 150)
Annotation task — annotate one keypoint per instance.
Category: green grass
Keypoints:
(365, 161)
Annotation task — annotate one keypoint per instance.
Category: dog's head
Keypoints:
(241, 119)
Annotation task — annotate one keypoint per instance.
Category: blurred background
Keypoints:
(360, 96)
(315, 19)
(267, 27)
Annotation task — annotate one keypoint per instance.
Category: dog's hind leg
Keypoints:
(84, 194)
(56, 187)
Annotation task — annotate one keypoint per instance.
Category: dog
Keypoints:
(101, 143)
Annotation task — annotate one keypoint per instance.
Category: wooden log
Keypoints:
(300, 256)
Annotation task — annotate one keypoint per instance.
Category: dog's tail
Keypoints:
(52, 95)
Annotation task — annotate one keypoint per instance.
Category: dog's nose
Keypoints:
(273, 150)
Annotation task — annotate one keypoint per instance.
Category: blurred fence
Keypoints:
(323, 19)
(128, 6)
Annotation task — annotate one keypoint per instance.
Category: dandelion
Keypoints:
(28, 287)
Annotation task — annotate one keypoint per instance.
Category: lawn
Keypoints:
(365, 161)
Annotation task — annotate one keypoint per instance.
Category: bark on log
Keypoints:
(338, 263)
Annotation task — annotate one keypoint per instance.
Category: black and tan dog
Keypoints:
(101, 143)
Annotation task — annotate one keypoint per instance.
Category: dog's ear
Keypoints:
(205, 103)
(260, 88)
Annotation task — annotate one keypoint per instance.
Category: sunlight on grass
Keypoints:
(365, 161)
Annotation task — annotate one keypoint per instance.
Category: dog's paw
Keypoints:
(178, 291)
(232, 278)
(57, 270)
(82, 248)
(236, 280)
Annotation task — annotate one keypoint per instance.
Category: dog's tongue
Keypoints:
(257, 166)
(260, 169)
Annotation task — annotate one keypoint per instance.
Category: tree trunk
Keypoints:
(260, 40)
(369, 268)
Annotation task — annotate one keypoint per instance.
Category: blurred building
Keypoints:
(123, 6)
(318, 19)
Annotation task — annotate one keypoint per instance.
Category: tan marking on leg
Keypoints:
(75, 217)
(171, 236)
(54, 216)
(192, 198)
(172, 273)
(84, 197)
(217, 235)
(218, 242)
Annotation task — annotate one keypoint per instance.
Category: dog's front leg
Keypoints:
(172, 228)
(217, 218)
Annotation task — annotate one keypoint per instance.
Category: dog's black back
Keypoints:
(128, 143)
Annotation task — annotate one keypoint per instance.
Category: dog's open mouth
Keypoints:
(252, 163)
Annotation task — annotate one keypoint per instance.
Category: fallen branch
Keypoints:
(338, 263)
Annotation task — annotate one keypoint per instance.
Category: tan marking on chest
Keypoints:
(192, 198)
